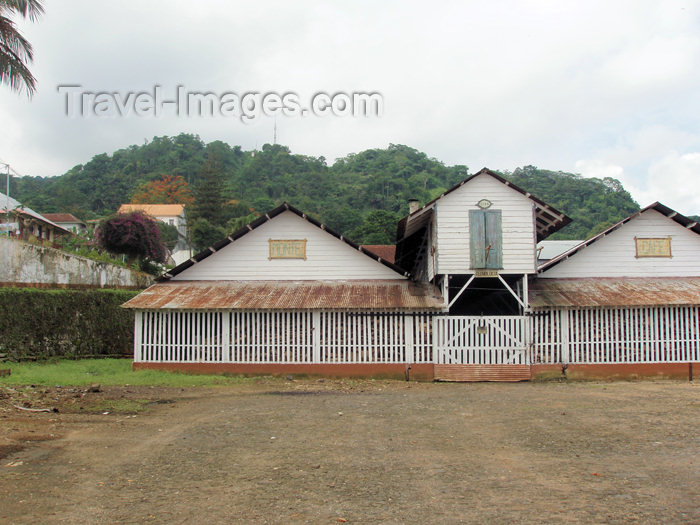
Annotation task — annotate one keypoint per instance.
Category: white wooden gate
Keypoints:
(482, 348)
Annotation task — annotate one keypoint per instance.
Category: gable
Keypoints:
(511, 234)
(249, 257)
(615, 253)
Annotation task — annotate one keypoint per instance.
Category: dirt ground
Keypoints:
(330, 451)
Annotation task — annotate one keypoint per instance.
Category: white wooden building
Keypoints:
(477, 241)
(465, 299)
(628, 296)
(285, 294)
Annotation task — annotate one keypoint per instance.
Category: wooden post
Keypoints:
(408, 339)
(564, 336)
(226, 335)
(446, 289)
(316, 336)
(138, 336)
(527, 339)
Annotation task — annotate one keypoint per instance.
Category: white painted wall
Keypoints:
(614, 254)
(453, 226)
(326, 257)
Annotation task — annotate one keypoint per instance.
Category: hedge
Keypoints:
(39, 323)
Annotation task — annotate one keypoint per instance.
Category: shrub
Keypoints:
(134, 234)
(39, 323)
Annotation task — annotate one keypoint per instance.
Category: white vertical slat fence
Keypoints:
(586, 336)
(282, 337)
(663, 334)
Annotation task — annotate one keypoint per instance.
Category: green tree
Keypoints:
(15, 50)
(168, 234)
(378, 227)
(204, 234)
(209, 197)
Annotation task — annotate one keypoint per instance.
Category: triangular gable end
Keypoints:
(548, 219)
(683, 259)
(351, 261)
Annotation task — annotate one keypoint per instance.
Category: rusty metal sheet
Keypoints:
(289, 295)
(385, 251)
(628, 291)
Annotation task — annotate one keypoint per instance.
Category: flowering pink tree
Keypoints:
(133, 234)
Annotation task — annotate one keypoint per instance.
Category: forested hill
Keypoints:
(362, 195)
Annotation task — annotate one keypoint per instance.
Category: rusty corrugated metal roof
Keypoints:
(289, 295)
(385, 251)
(626, 291)
(62, 217)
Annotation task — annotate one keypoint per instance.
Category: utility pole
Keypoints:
(7, 198)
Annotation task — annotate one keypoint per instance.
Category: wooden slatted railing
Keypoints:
(282, 337)
(584, 336)
(665, 334)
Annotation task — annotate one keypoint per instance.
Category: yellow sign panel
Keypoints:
(485, 273)
(288, 249)
(653, 247)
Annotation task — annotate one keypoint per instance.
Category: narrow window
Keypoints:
(485, 244)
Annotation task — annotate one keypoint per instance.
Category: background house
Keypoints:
(24, 223)
(173, 214)
(68, 221)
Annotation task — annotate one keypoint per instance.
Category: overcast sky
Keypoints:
(600, 88)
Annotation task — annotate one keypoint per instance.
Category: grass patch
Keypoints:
(105, 372)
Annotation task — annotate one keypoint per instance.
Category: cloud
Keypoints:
(671, 180)
(593, 86)
(674, 178)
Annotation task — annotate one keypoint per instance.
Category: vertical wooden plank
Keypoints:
(235, 338)
(285, 346)
(477, 238)
(316, 339)
(409, 350)
(666, 342)
(161, 335)
(687, 341)
(226, 337)
(493, 239)
(138, 336)
(693, 333)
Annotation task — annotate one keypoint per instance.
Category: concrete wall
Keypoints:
(22, 263)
